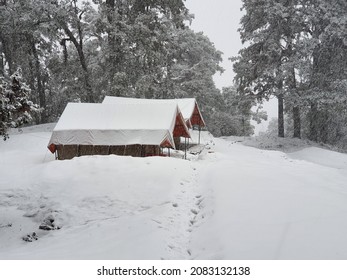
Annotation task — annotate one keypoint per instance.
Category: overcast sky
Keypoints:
(219, 20)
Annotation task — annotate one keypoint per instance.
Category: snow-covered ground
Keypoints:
(230, 202)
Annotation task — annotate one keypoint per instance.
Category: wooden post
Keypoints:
(185, 148)
(199, 132)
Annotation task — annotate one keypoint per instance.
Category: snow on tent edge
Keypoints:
(188, 106)
(116, 124)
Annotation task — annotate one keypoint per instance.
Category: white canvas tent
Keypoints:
(188, 107)
(110, 126)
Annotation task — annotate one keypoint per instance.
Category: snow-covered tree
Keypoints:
(72, 51)
(267, 66)
(147, 51)
(231, 113)
(26, 39)
(15, 104)
(327, 50)
(296, 51)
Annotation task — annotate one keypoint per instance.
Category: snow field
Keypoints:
(229, 202)
(107, 207)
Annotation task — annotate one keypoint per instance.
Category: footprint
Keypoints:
(199, 202)
(158, 222)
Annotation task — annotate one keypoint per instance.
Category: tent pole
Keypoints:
(199, 132)
(185, 148)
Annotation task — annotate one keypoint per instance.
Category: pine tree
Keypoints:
(15, 104)
(26, 39)
(258, 67)
(325, 95)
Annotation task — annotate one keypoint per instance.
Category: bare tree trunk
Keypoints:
(7, 55)
(2, 62)
(32, 76)
(40, 88)
(79, 48)
(2, 69)
(296, 108)
(315, 83)
(313, 116)
(297, 122)
(111, 41)
(114, 41)
(280, 116)
(324, 125)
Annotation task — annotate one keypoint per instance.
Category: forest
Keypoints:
(296, 51)
(60, 51)
(68, 51)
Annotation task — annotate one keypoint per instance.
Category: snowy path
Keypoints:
(231, 202)
(268, 206)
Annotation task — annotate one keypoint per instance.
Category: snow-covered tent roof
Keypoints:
(188, 106)
(119, 124)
